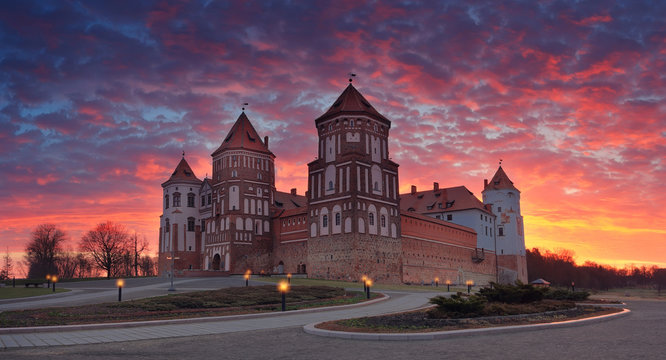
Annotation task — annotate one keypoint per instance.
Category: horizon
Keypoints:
(99, 100)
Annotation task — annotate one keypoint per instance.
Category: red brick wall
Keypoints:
(512, 268)
(290, 242)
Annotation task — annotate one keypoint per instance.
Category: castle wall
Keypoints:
(290, 243)
(512, 268)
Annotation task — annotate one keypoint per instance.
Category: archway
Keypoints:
(216, 262)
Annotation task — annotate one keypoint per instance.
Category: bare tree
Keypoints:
(148, 266)
(67, 264)
(7, 266)
(83, 266)
(44, 247)
(107, 244)
(139, 247)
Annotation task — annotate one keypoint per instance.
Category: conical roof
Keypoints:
(183, 173)
(243, 136)
(500, 181)
(351, 102)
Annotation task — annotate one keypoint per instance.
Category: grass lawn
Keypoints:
(227, 301)
(628, 293)
(359, 285)
(21, 292)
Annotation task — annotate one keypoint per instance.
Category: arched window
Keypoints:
(167, 225)
(371, 219)
(176, 199)
(166, 201)
(324, 221)
(376, 186)
(330, 185)
(190, 200)
(190, 224)
(337, 219)
(259, 176)
(383, 221)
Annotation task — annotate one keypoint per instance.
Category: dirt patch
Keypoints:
(421, 321)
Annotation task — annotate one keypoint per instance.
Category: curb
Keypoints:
(311, 329)
(59, 328)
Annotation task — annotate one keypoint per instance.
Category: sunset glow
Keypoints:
(98, 101)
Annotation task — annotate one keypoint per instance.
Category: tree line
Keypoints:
(108, 248)
(560, 269)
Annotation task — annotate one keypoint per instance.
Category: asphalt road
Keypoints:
(641, 335)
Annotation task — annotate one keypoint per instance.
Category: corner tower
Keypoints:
(510, 239)
(354, 218)
(238, 233)
(180, 233)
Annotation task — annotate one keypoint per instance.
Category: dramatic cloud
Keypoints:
(98, 99)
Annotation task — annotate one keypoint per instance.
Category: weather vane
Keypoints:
(244, 105)
(351, 77)
(500, 162)
(183, 153)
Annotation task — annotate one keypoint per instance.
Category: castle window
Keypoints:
(166, 201)
(210, 199)
(330, 185)
(203, 200)
(500, 231)
(486, 231)
(167, 225)
(499, 209)
(234, 173)
(383, 221)
(351, 123)
(190, 200)
(376, 183)
(375, 127)
(371, 219)
(324, 221)
(259, 176)
(449, 217)
(190, 224)
(481, 216)
(337, 219)
(203, 225)
(330, 127)
(176, 199)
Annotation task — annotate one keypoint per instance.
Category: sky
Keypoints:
(98, 100)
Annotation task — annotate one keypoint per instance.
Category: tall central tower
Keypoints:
(354, 217)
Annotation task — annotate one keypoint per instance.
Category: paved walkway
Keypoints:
(399, 301)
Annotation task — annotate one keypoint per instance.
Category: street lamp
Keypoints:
(173, 269)
(469, 286)
(247, 277)
(54, 279)
(364, 279)
(120, 283)
(283, 287)
(448, 285)
(368, 285)
(48, 281)
(289, 278)
(436, 282)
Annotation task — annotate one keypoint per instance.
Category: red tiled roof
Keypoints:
(351, 102)
(500, 181)
(436, 221)
(287, 204)
(437, 201)
(243, 136)
(183, 172)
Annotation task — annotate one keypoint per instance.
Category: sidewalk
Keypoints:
(399, 301)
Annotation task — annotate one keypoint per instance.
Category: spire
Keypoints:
(351, 102)
(500, 181)
(183, 172)
(243, 136)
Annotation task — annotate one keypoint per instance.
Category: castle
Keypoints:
(351, 221)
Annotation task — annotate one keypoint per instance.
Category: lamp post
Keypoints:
(289, 278)
(48, 281)
(173, 269)
(247, 277)
(364, 279)
(283, 287)
(448, 285)
(573, 286)
(469, 286)
(368, 285)
(436, 282)
(120, 283)
(54, 279)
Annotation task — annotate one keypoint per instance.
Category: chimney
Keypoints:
(413, 189)
(293, 191)
(266, 141)
(485, 183)
(435, 186)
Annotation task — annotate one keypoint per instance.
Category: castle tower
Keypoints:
(180, 231)
(354, 218)
(510, 239)
(238, 233)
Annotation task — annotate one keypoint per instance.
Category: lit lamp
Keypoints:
(247, 277)
(469, 286)
(48, 281)
(448, 285)
(283, 287)
(436, 282)
(289, 278)
(120, 283)
(54, 279)
(364, 279)
(368, 285)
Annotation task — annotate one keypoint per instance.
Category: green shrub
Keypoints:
(517, 293)
(459, 304)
